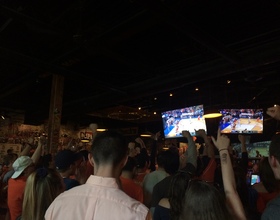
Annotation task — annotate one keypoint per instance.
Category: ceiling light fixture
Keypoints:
(212, 115)
(85, 140)
(145, 135)
(101, 129)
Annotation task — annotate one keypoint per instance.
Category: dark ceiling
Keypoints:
(118, 55)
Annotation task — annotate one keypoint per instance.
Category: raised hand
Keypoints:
(200, 132)
(242, 138)
(186, 134)
(222, 141)
(274, 112)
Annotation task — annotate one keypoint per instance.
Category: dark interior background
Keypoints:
(118, 55)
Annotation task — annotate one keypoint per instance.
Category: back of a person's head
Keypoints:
(47, 160)
(177, 188)
(204, 202)
(84, 154)
(131, 163)
(10, 151)
(42, 187)
(274, 147)
(9, 159)
(169, 160)
(65, 161)
(161, 158)
(142, 158)
(267, 176)
(137, 145)
(109, 147)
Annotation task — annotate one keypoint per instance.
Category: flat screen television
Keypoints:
(241, 121)
(187, 118)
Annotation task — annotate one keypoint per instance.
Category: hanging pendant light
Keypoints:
(212, 114)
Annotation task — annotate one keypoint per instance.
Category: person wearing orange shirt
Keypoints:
(23, 167)
(208, 157)
(127, 178)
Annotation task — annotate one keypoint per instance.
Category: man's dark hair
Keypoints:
(130, 164)
(10, 151)
(267, 177)
(109, 147)
(9, 158)
(142, 158)
(169, 160)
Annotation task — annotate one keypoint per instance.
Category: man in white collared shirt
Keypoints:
(100, 197)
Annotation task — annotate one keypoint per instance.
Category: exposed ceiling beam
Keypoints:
(181, 23)
(23, 18)
(40, 65)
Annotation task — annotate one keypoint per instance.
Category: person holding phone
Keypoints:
(255, 178)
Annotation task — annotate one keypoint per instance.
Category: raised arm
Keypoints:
(208, 173)
(242, 139)
(209, 147)
(141, 142)
(26, 150)
(274, 112)
(244, 153)
(154, 151)
(37, 153)
(191, 153)
(232, 196)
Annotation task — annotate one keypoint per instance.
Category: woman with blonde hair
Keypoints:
(42, 187)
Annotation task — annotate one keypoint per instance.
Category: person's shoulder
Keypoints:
(149, 174)
(162, 184)
(164, 202)
(163, 181)
(272, 210)
(70, 180)
(21, 180)
(275, 201)
(259, 187)
(134, 205)
(137, 184)
(273, 205)
(19, 218)
(70, 183)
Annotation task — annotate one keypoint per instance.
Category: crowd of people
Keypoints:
(119, 179)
